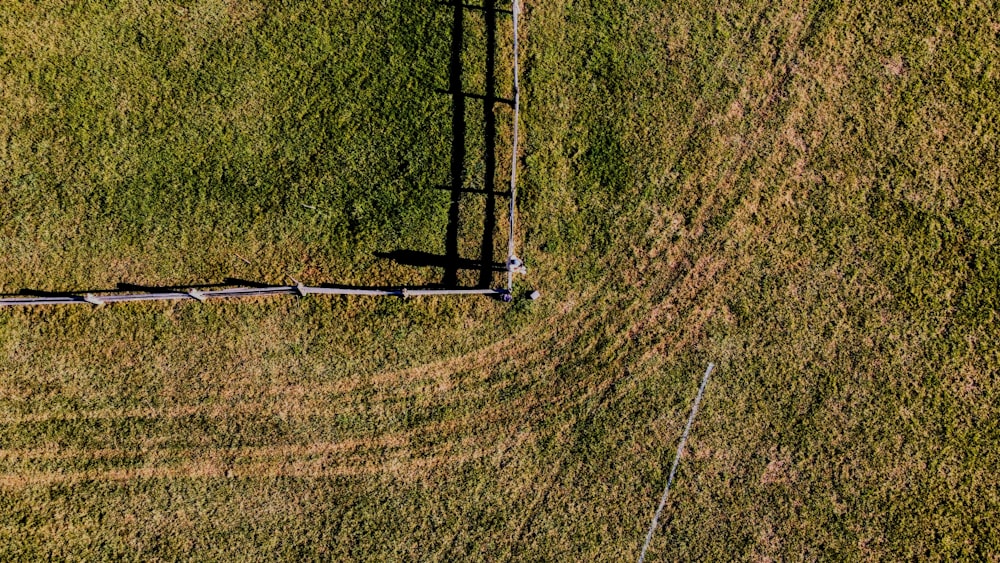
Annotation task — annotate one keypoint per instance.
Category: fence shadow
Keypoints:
(451, 261)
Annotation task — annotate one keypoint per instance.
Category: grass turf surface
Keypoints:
(803, 193)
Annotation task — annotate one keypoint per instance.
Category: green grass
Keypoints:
(804, 194)
(156, 141)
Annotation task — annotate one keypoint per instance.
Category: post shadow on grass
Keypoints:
(451, 261)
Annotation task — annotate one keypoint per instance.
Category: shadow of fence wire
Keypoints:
(451, 262)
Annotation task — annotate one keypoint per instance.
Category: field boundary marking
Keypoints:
(677, 459)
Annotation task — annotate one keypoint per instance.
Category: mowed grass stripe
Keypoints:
(405, 466)
(480, 422)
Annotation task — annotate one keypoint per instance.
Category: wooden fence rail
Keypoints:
(239, 292)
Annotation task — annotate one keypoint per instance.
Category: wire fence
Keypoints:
(511, 256)
(94, 299)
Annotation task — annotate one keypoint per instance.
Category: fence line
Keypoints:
(302, 290)
(236, 292)
(515, 12)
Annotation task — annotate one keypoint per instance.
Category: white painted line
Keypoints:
(677, 459)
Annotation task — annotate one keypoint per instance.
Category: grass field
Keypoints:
(803, 193)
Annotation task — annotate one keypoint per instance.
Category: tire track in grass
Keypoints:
(357, 457)
(706, 283)
(308, 402)
(405, 467)
(521, 347)
(476, 424)
(739, 229)
(484, 424)
(484, 427)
